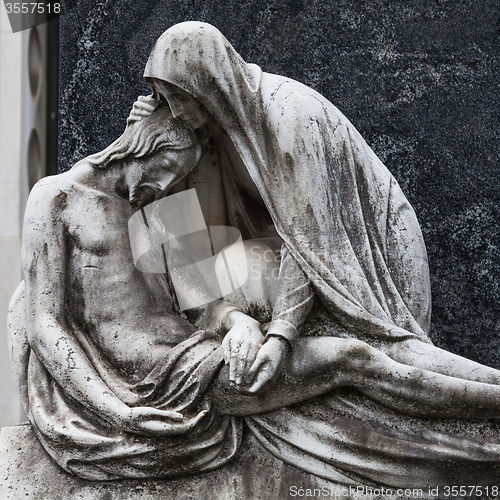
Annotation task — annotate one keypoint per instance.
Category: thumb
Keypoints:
(260, 360)
(172, 415)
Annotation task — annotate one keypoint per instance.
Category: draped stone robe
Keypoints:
(353, 239)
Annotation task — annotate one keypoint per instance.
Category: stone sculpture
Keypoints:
(328, 362)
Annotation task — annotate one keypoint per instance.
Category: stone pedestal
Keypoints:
(28, 472)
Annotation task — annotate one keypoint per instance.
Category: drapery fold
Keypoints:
(339, 210)
(347, 224)
(85, 444)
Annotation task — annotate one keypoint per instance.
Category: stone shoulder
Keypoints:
(47, 199)
(51, 191)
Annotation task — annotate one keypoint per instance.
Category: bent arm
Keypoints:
(219, 317)
(293, 305)
(294, 301)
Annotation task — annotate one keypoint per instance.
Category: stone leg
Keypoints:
(429, 357)
(318, 365)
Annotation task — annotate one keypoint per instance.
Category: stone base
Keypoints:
(28, 472)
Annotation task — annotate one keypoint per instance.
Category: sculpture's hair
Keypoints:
(146, 135)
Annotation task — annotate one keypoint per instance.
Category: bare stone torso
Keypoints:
(127, 314)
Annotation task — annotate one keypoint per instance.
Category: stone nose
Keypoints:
(175, 108)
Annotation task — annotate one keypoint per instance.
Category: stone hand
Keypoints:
(241, 344)
(156, 423)
(268, 364)
(144, 106)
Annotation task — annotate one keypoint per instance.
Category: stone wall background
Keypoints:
(420, 79)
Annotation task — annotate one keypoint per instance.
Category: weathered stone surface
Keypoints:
(89, 312)
(419, 80)
(28, 472)
(138, 389)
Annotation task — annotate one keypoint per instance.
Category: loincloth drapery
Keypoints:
(85, 444)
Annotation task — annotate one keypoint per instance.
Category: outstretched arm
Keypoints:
(44, 259)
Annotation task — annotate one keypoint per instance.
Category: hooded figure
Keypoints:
(352, 245)
(339, 211)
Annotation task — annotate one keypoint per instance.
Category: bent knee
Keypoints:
(359, 354)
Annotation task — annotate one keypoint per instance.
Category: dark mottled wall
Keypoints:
(420, 79)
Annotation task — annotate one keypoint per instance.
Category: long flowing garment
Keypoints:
(356, 239)
(86, 445)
